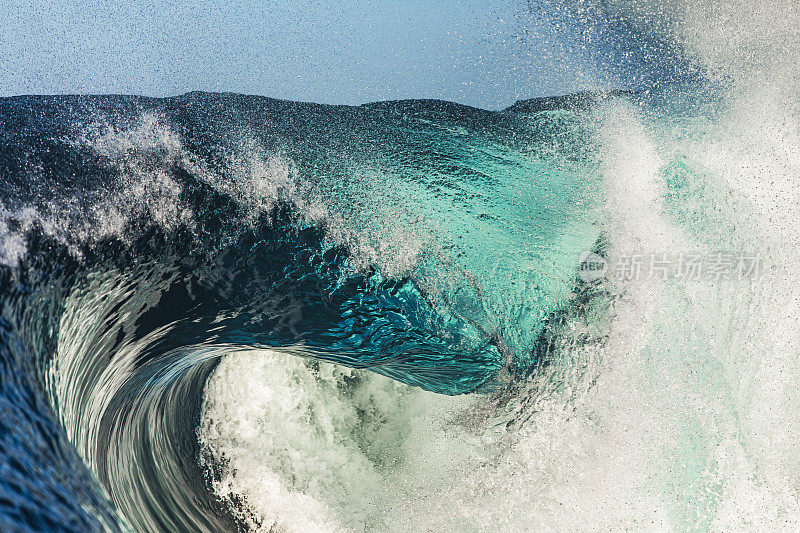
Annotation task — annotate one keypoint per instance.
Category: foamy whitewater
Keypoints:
(224, 312)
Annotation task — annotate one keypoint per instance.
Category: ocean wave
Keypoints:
(220, 311)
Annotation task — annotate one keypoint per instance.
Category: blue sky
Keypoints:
(479, 52)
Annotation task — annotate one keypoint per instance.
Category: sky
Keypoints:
(486, 53)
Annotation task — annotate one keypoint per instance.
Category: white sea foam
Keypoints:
(312, 446)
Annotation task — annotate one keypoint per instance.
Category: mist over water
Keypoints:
(223, 312)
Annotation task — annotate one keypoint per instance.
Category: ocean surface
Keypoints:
(222, 312)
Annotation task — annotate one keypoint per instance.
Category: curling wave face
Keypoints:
(144, 239)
